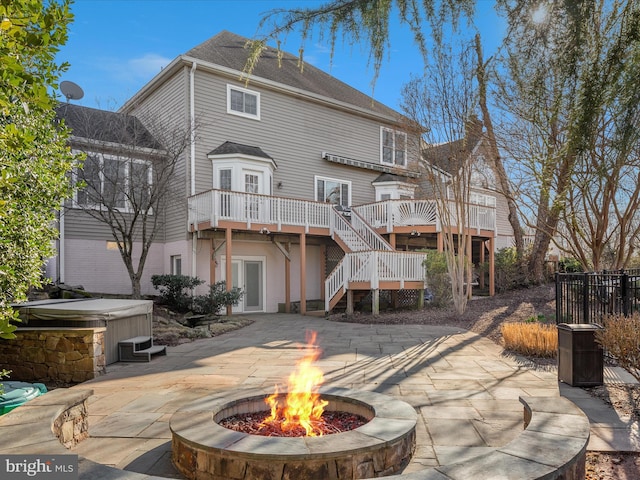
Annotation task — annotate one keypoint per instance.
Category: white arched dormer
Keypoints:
(393, 187)
(242, 168)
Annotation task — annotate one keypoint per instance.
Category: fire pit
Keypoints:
(204, 449)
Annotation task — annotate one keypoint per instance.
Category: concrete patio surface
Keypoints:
(463, 386)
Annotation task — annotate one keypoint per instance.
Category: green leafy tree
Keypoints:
(34, 157)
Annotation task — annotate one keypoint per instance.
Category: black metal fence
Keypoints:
(588, 297)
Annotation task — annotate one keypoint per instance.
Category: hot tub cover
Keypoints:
(90, 309)
(17, 393)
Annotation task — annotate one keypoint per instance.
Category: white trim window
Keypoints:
(331, 190)
(113, 182)
(482, 199)
(393, 147)
(243, 102)
(394, 191)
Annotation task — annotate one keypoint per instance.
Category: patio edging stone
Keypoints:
(551, 447)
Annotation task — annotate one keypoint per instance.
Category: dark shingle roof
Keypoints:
(450, 156)
(238, 148)
(227, 49)
(389, 177)
(106, 126)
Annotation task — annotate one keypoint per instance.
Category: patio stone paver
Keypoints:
(455, 432)
(123, 424)
(464, 388)
(446, 454)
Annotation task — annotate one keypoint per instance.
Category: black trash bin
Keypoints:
(580, 357)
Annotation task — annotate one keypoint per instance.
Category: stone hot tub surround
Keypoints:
(204, 449)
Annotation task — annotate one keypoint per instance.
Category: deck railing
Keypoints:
(341, 227)
(399, 213)
(215, 205)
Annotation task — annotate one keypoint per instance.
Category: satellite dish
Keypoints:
(71, 90)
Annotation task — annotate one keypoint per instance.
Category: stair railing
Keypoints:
(341, 227)
(373, 238)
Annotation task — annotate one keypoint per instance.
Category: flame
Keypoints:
(303, 406)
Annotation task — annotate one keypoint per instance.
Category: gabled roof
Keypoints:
(228, 50)
(448, 157)
(105, 126)
(237, 148)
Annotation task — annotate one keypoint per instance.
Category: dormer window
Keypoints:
(243, 102)
(393, 147)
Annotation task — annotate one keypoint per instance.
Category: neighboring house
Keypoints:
(296, 186)
(487, 209)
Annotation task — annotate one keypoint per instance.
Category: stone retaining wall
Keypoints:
(552, 446)
(62, 355)
(47, 424)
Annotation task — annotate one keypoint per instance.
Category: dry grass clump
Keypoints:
(530, 338)
(620, 337)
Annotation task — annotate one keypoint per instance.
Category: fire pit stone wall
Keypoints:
(202, 449)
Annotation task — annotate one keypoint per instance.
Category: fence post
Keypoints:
(624, 292)
(558, 298)
(585, 298)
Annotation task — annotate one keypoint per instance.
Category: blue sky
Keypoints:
(116, 46)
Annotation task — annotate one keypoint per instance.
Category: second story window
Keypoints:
(113, 182)
(393, 148)
(482, 199)
(243, 102)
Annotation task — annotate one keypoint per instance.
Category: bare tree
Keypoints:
(442, 103)
(503, 180)
(601, 223)
(127, 179)
(563, 67)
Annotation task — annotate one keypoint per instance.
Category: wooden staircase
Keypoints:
(139, 349)
(370, 263)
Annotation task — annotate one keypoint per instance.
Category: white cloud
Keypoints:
(148, 65)
(134, 70)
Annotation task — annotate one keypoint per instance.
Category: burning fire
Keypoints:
(303, 406)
